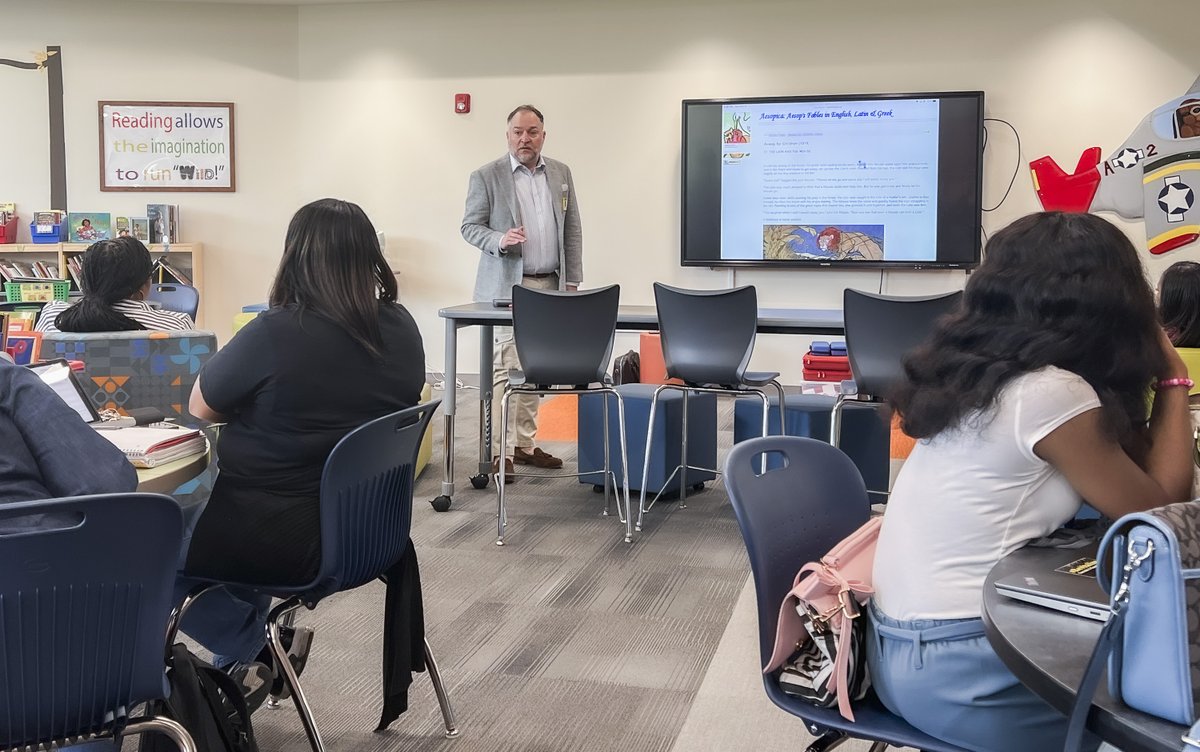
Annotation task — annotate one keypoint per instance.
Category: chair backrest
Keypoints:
(707, 335)
(366, 499)
(792, 514)
(173, 296)
(564, 338)
(84, 602)
(124, 370)
(882, 329)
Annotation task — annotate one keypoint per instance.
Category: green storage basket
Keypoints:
(25, 292)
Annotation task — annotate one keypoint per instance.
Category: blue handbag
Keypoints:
(1150, 566)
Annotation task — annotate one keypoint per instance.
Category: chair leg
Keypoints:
(501, 511)
(607, 457)
(165, 726)
(646, 460)
(683, 456)
(177, 613)
(766, 425)
(835, 421)
(439, 689)
(828, 741)
(879, 746)
(289, 674)
(782, 407)
(624, 469)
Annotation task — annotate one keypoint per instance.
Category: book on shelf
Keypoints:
(120, 227)
(171, 272)
(75, 269)
(47, 218)
(164, 223)
(22, 269)
(139, 227)
(88, 227)
(147, 446)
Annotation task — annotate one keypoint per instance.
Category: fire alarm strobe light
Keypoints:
(462, 103)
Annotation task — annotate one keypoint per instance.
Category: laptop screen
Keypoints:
(58, 376)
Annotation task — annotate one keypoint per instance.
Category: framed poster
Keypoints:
(166, 146)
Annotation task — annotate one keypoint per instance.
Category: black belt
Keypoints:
(543, 275)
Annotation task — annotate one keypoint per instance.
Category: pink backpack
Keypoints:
(820, 638)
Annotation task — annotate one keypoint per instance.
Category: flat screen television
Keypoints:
(843, 181)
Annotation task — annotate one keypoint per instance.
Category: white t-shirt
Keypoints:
(971, 495)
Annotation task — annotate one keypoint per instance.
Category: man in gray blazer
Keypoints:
(522, 214)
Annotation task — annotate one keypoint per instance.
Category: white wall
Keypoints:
(378, 81)
(355, 101)
(163, 52)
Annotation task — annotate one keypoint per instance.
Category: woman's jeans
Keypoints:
(943, 677)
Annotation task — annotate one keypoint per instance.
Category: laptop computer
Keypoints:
(1064, 579)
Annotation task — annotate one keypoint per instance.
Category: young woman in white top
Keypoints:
(1028, 400)
(115, 279)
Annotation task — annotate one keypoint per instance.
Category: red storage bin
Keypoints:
(826, 368)
(8, 231)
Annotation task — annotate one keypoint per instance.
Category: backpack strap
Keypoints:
(218, 689)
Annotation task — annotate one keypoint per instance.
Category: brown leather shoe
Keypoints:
(537, 458)
(509, 476)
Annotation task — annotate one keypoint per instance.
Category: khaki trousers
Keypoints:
(522, 408)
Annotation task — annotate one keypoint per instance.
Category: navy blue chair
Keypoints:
(791, 515)
(564, 341)
(172, 296)
(880, 331)
(707, 340)
(85, 596)
(366, 516)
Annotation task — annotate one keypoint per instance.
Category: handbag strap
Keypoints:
(1109, 637)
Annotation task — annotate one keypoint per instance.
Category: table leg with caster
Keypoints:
(486, 361)
(442, 502)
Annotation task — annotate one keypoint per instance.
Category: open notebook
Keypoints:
(150, 447)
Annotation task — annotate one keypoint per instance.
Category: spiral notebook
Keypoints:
(150, 447)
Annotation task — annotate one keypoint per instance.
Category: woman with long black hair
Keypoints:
(115, 280)
(1029, 399)
(334, 351)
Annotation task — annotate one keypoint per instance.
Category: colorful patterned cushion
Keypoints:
(125, 370)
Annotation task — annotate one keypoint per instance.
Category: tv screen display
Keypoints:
(878, 180)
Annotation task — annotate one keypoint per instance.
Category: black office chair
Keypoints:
(791, 515)
(880, 331)
(564, 341)
(84, 599)
(172, 296)
(366, 517)
(707, 340)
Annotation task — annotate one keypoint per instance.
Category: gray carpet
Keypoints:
(564, 639)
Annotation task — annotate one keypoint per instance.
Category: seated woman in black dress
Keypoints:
(116, 280)
(334, 351)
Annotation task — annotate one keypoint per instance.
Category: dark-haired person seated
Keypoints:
(115, 280)
(1179, 311)
(334, 351)
(1028, 400)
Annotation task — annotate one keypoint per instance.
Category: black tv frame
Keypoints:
(977, 216)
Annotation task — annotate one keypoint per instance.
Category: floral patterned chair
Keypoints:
(125, 370)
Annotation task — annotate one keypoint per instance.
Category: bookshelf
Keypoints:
(188, 258)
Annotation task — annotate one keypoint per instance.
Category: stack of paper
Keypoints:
(150, 447)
